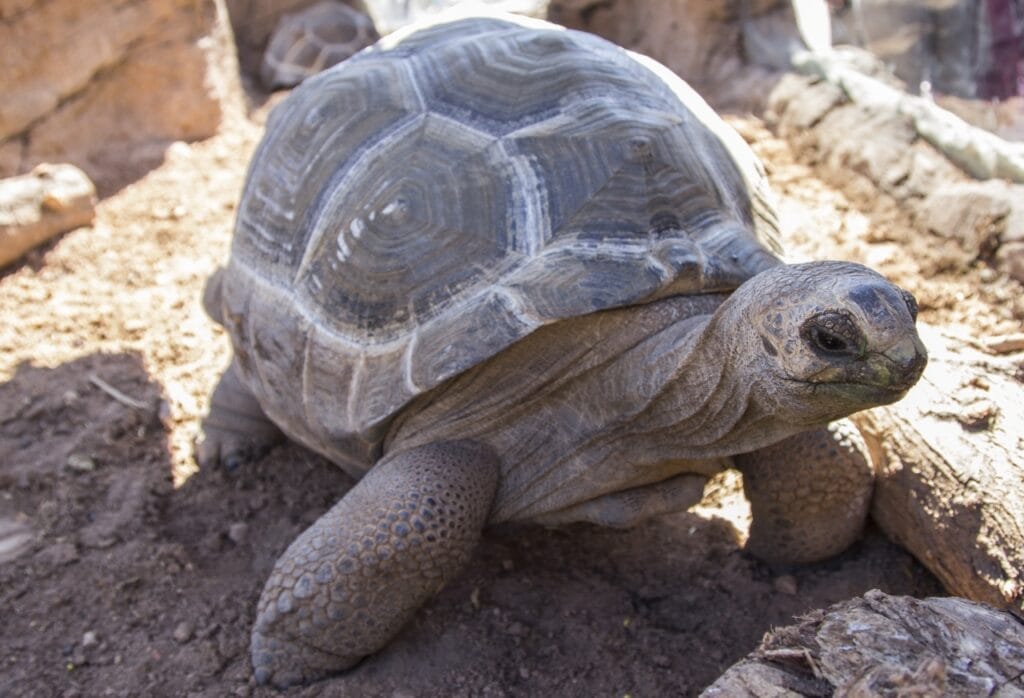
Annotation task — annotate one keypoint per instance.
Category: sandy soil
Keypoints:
(124, 571)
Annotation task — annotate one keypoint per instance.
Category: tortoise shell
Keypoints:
(313, 39)
(420, 207)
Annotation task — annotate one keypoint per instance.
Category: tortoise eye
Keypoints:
(833, 334)
(828, 342)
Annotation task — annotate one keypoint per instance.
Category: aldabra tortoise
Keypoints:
(314, 39)
(503, 271)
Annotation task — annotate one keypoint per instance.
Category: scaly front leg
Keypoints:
(345, 586)
(809, 494)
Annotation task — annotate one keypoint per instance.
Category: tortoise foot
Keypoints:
(236, 430)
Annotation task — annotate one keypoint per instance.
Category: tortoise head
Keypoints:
(827, 339)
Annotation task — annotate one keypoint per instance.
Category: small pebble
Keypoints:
(238, 532)
(81, 463)
(978, 415)
(89, 639)
(786, 584)
(508, 565)
(183, 632)
(524, 673)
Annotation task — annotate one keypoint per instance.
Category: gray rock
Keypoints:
(183, 632)
(972, 213)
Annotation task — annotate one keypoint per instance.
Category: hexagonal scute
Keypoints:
(511, 80)
(310, 141)
(394, 246)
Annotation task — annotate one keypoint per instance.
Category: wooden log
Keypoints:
(949, 460)
(35, 207)
(881, 645)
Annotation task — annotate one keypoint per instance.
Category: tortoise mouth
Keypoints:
(864, 393)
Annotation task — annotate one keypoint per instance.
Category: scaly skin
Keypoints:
(809, 494)
(236, 429)
(350, 581)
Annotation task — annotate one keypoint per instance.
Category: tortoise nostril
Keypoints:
(909, 357)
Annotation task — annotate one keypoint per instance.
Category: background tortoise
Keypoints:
(523, 274)
(314, 39)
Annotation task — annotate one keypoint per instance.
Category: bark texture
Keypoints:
(34, 208)
(950, 469)
(881, 645)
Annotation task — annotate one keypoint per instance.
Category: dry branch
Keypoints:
(880, 645)
(950, 465)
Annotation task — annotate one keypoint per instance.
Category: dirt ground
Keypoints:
(124, 571)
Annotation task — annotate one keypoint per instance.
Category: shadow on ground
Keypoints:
(130, 587)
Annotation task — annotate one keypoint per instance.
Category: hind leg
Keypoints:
(236, 429)
(809, 494)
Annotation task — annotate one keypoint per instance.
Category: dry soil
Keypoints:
(125, 571)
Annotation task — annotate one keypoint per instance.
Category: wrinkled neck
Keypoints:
(713, 403)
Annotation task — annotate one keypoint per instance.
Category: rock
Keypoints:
(89, 639)
(36, 207)
(702, 41)
(972, 213)
(182, 632)
(803, 102)
(881, 145)
(307, 42)
(881, 645)
(238, 532)
(81, 463)
(978, 152)
(1010, 258)
(96, 83)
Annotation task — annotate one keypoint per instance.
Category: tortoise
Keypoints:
(314, 39)
(497, 270)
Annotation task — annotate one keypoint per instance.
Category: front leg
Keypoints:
(809, 494)
(348, 583)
